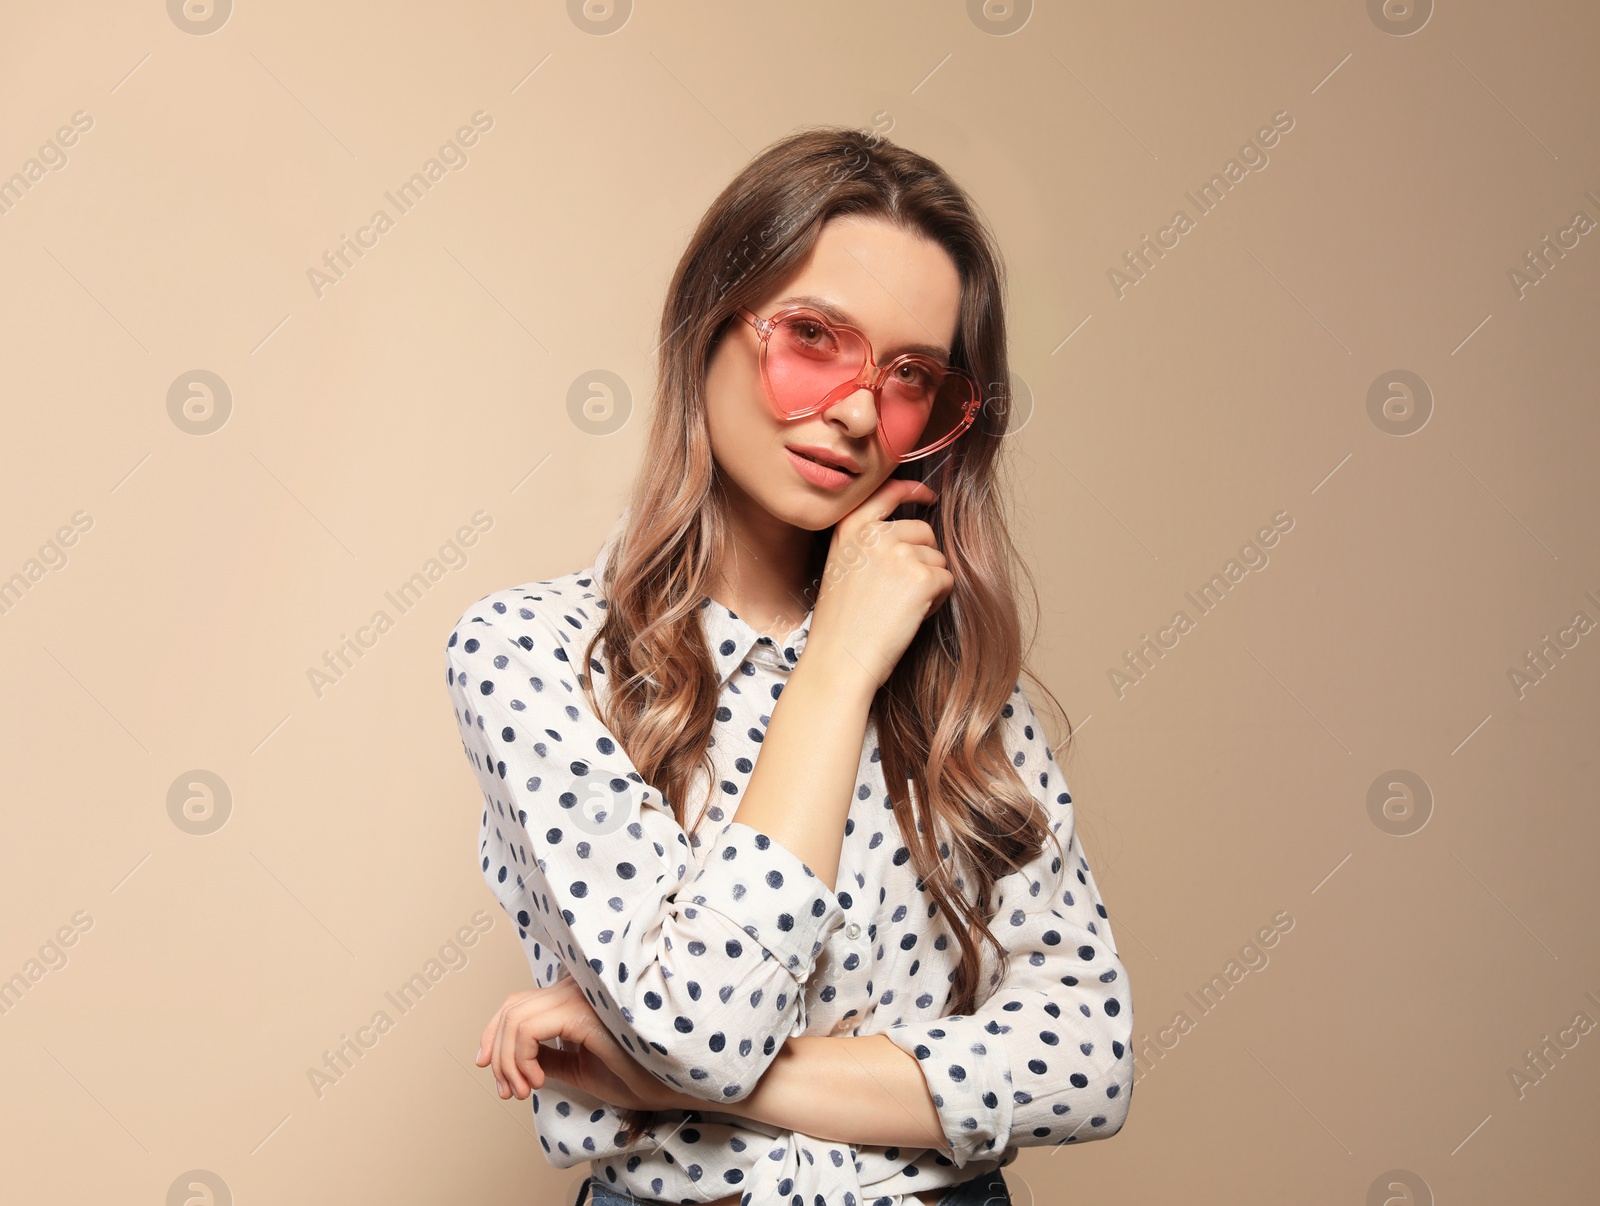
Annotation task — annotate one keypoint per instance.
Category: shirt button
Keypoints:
(853, 930)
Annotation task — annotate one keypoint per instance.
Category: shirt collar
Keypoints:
(733, 643)
(731, 640)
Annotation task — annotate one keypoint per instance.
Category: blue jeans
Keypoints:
(986, 1189)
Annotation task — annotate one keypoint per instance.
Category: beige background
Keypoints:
(211, 572)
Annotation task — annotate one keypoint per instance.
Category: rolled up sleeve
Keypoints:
(695, 959)
(1047, 1058)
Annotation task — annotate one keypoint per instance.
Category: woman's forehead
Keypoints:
(898, 287)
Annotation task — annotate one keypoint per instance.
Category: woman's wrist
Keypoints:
(683, 1101)
(843, 675)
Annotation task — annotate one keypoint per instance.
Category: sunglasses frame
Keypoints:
(766, 326)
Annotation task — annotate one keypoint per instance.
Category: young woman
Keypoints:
(784, 840)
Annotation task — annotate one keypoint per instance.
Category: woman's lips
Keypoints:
(817, 474)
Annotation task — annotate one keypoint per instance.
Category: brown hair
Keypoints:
(939, 714)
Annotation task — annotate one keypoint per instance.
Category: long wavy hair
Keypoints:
(939, 715)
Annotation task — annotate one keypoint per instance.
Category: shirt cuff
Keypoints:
(969, 1076)
(765, 890)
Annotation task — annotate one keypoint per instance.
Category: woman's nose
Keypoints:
(858, 411)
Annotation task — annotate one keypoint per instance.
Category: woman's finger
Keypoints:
(527, 1020)
(502, 1053)
(516, 1062)
(495, 1061)
(556, 1063)
(512, 1046)
(486, 1041)
(527, 1058)
(893, 493)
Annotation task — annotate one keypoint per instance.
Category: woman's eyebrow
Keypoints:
(830, 311)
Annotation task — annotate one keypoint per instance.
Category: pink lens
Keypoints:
(809, 360)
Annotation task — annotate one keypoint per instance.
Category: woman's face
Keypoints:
(897, 288)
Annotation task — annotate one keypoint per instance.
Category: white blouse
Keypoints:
(704, 951)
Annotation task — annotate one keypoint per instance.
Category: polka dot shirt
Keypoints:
(704, 951)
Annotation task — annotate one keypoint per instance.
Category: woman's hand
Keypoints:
(883, 578)
(593, 1060)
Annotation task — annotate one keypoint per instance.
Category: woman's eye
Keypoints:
(809, 332)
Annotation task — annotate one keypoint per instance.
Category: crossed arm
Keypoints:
(853, 1089)
(1046, 1058)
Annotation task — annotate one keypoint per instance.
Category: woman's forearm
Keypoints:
(801, 789)
(862, 1090)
